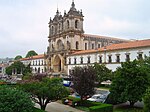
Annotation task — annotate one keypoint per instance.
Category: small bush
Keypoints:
(101, 108)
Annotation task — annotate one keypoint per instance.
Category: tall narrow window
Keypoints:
(117, 58)
(92, 46)
(59, 27)
(81, 60)
(109, 59)
(100, 59)
(76, 24)
(67, 24)
(75, 61)
(127, 57)
(85, 46)
(77, 45)
(69, 60)
(89, 59)
(99, 45)
(140, 56)
(52, 30)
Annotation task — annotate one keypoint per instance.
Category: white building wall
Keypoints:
(37, 65)
(113, 65)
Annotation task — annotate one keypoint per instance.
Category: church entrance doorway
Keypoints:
(57, 64)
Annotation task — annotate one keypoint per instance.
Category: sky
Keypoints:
(24, 23)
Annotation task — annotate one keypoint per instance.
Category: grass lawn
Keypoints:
(128, 109)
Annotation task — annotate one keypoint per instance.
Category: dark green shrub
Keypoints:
(87, 103)
(147, 101)
(101, 108)
(14, 100)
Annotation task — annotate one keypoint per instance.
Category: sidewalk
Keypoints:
(57, 107)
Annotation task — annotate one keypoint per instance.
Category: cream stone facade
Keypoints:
(66, 35)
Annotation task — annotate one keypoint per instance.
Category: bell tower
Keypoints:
(73, 20)
(65, 34)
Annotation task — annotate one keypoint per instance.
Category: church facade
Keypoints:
(66, 36)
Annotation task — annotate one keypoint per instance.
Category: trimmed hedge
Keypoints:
(87, 103)
(101, 108)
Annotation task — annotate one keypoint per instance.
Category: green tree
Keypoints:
(18, 67)
(18, 57)
(31, 53)
(102, 72)
(84, 79)
(14, 100)
(130, 82)
(46, 91)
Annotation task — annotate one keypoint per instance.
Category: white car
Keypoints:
(98, 98)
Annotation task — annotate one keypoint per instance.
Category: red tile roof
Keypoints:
(127, 45)
(33, 57)
(84, 52)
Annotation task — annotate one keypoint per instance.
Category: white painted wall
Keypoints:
(41, 64)
(95, 57)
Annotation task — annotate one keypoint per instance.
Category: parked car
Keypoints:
(101, 96)
(98, 98)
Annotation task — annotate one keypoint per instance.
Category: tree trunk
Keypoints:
(43, 107)
(131, 104)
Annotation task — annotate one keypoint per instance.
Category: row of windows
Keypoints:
(39, 70)
(38, 62)
(140, 56)
(93, 46)
(60, 45)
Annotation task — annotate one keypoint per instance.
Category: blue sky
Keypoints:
(24, 23)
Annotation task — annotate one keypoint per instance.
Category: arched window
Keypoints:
(77, 45)
(52, 30)
(68, 24)
(76, 24)
(60, 45)
(59, 27)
